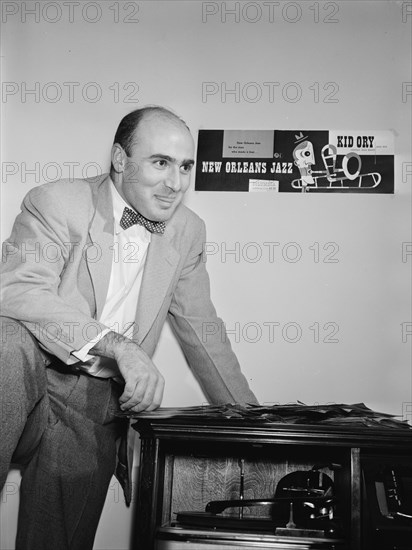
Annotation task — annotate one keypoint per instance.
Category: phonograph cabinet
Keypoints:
(210, 484)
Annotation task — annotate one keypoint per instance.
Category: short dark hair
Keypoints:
(128, 125)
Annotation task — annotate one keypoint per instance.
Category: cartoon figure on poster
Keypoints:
(304, 158)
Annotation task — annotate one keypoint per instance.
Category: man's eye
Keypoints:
(186, 168)
(161, 163)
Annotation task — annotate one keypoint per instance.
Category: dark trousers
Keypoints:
(60, 426)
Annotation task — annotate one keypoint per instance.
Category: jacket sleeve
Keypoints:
(33, 260)
(202, 333)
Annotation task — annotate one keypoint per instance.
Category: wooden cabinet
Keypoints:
(187, 463)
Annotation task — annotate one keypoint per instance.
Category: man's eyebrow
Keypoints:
(170, 159)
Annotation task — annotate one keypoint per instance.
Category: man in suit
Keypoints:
(90, 273)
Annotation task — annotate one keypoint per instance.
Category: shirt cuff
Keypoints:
(83, 353)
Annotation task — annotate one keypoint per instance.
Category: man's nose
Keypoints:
(173, 179)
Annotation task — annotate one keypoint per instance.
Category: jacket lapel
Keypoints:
(162, 260)
(99, 254)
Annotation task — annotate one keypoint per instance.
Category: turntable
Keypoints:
(303, 506)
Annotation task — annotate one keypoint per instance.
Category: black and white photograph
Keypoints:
(205, 286)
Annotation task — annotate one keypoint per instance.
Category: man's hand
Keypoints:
(143, 382)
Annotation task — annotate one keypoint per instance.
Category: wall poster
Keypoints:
(295, 161)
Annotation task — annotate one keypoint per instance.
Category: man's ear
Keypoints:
(118, 157)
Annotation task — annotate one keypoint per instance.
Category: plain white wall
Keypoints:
(167, 56)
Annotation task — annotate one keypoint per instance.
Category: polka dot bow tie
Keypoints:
(130, 217)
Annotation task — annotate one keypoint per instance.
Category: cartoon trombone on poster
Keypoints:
(332, 178)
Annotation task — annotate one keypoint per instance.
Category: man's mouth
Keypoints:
(166, 200)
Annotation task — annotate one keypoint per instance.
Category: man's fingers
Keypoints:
(156, 399)
(143, 382)
(137, 397)
(134, 390)
(146, 395)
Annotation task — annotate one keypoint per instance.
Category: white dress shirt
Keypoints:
(119, 312)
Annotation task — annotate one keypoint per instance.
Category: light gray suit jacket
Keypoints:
(56, 270)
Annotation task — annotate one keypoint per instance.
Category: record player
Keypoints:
(234, 483)
(304, 505)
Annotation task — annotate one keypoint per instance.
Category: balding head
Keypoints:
(126, 133)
